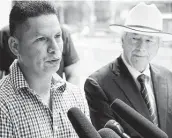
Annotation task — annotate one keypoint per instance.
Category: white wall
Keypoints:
(5, 7)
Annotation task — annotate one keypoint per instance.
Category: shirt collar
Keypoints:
(17, 77)
(19, 82)
(136, 73)
(58, 84)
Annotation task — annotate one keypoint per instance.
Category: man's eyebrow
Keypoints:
(38, 33)
(132, 34)
(135, 34)
(60, 33)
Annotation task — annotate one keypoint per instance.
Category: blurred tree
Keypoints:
(102, 11)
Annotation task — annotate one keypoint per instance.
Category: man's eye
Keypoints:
(134, 38)
(57, 36)
(148, 41)
(41, 39)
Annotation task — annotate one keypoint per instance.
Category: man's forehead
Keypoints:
(141, 35)
(47, 25)
(44, 23)
(46, 30)
(43, 19)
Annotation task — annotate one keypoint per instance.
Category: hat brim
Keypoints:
(121, 28)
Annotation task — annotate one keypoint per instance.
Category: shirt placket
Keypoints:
(49, 112)
(56, 115)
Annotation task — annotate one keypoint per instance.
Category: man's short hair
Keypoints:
(22, 10)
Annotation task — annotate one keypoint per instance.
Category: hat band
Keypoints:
(144, 27)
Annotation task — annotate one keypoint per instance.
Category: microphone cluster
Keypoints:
(85, 129)
(113, 129)
(138, 122)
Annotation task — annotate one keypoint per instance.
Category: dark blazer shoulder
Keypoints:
(104, 72)
(161, 70)
(112, 69)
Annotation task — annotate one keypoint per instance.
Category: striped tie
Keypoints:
(142, 79)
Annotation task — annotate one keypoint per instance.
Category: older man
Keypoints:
(131, 77)
(34, 100)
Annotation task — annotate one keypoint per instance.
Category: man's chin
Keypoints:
(140, 67)
(52, 69)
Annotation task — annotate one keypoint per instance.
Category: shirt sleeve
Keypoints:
(6, 127)
(69, 52)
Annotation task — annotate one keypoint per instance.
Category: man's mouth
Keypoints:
(138, 55)
(54, 60)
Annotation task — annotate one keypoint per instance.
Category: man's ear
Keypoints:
(14, 45)
(123, 38)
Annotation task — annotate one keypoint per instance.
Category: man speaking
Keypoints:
(34, 100)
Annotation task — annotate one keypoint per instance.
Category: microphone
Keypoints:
(81, 124)
(142, 125)
(115, 126)
(108, 133)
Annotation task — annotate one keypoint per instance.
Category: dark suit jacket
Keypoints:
(114, 81)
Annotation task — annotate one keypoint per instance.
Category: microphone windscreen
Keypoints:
(115, 126)
(138, 122)
(81, 124)
(108, 133)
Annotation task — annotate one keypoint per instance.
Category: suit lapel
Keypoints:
(128, 86)
(160, 90)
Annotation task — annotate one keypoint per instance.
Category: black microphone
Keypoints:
(108, 133)
(138, 122)
(81, 124)
(115, 126)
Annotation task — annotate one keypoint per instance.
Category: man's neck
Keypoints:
(41, 84)
(41, 87)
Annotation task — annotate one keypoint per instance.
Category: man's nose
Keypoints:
(142, 45)
(54, 47)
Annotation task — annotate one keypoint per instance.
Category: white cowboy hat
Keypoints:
(144, 19)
